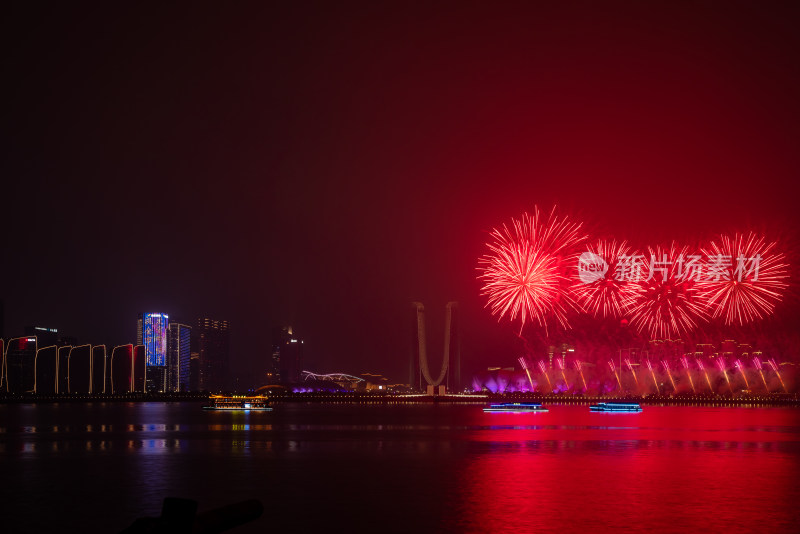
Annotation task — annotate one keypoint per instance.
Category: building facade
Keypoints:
(286, 358)
(152, 332)
(178, 357)
(211, 341)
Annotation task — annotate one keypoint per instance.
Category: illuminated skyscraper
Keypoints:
(211, 341)
(151, 332)
(286, 362)
(178, 356)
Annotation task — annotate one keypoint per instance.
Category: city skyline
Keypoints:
(325, 175)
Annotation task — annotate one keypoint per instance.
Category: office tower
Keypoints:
(287, 356)
(151, 331)
(121, 372)
(20, 365)
(178, 356)
(211, 341)
(47, 370)
(194, 370)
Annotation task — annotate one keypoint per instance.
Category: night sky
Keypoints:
(323, 165)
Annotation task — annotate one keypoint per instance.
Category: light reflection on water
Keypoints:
(411, 468)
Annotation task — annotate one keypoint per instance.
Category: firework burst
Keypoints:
(667, 303)
(749, 277)
(524, 273)
(609, 295)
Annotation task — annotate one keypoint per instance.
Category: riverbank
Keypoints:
(362, 397)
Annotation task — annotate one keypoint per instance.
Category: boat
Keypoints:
(615, 407)
(516, 407)
(235, 402)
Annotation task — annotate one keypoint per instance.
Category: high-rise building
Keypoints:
(211, 341)
(151, 331)
(194, 370)
(19, 365)
(178, 356)
(286, 361)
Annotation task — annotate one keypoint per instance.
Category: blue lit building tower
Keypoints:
(151, 332)
(178, 356)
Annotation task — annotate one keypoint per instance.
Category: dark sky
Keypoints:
(325, 164)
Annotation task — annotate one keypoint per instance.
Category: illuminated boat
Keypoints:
(516, 407)
(234, 402)
(615, 407)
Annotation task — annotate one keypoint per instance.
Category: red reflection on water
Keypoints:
(664, 470)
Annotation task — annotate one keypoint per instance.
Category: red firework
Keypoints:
(611, 294)
(667, 302)
(746, 278)
(524, 274)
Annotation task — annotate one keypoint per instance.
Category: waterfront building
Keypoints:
(178, 356)
(151, 331)
(19, 365)
(286, 361)
(211, 341)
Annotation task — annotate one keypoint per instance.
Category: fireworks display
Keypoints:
(685, 362)
(777, 372)
(633, 372)
(665, 292)
(607, 296)
(580, 371)
(524, 365)
(524, 275)
(667, 304)
(614, 370)
(542, 271)
(757, 365)
(561, 364)
(743, 289)
(722, 368)
(543, 369)
(653, 374)
(596, 379)
(665, 363)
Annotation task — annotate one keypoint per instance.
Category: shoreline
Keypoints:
(785, 400)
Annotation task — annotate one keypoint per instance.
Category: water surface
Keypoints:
(96, 467)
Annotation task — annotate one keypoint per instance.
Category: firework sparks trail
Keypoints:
(665, 363)
(750, 278)
(561, 365)
(740, 367)
(614, 369)
(543, 368)
(774, 366)
(655, 382)
(702, 368)
(524, 274)
(685, 362)
(524, 365)
(667, 303)
(580, 371)
(721, 364)
(757, 364)
(609, 295)
(633, 372)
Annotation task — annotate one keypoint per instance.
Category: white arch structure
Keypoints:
(423, 354)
